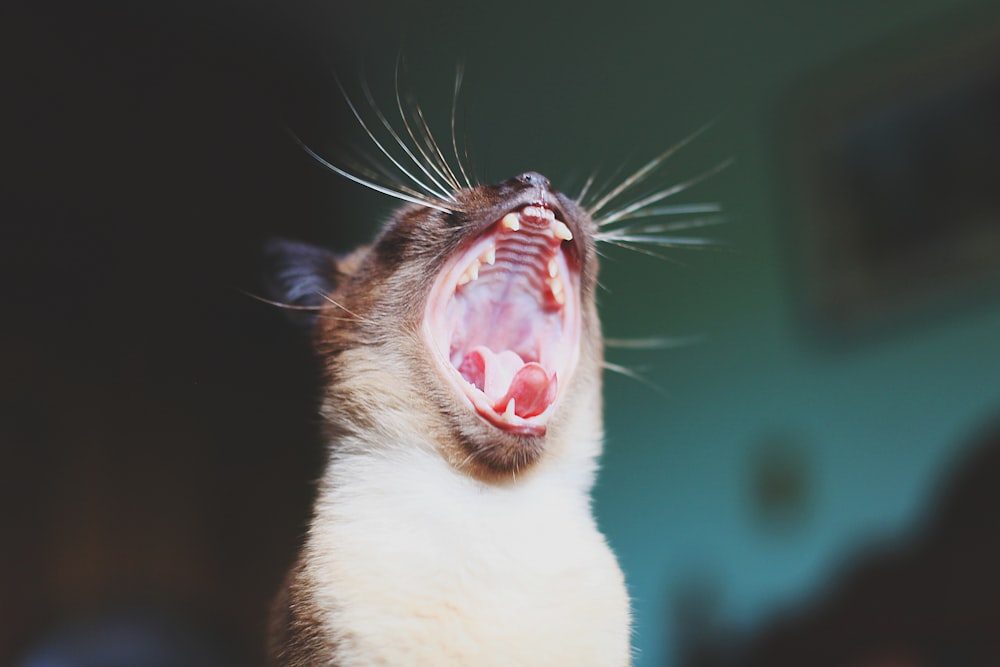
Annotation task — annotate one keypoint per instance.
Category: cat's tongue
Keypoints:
(505, 377)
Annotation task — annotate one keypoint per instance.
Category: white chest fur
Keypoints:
(419, 565)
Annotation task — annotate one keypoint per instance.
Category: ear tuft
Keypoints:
(298, 275)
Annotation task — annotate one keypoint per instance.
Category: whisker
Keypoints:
(675, 209)
(432, 144)
(428, 160)
(662, 194)
(422, 201)
(655, 343)
(586, 188)
(637, 248)
(327, 297)
(660, 228)
(645, 170)
(378, 144)
(395, 135)
(613, 178)
(291, 306)
(459, 75)
(279, 304)
(629, 373)
(378, 173)
(466, 150)
(665, 241)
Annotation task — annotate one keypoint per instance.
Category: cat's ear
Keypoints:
(298, 276)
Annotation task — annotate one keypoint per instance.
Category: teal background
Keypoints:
(873, 420)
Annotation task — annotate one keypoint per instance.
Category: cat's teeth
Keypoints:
(539, 212)
(489, 256)
(553, 268)
(561, 231)
(470, 274)
(508, 414)
(557, 290)
(511, 221)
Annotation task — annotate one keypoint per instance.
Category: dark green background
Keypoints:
(158, 430)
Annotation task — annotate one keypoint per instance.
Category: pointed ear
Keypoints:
(298, 275)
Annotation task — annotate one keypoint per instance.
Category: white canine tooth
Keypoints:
(508, 414)
(553, 268)
(561, 231)
(511, 222)
(557, 291)
(471, 273)
(490, 256)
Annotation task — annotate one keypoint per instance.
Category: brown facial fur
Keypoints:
(377, 369)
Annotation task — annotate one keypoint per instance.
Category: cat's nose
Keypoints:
(533, 179)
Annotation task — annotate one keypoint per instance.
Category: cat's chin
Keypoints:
(503, 320)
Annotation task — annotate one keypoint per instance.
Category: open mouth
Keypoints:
(503, 320)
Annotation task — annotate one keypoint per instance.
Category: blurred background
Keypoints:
(810, 479)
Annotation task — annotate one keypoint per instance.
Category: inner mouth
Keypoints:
(503, 319)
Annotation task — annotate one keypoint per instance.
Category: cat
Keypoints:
(462, 355)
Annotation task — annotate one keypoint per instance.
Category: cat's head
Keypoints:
(468, 326)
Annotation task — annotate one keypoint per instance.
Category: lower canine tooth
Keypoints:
(471, 273)
(557, 291)
(511, 222)
(508, 414)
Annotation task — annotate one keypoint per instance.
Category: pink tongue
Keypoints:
(505, 376)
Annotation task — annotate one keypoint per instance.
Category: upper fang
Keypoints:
(561, 231)
(511, 222)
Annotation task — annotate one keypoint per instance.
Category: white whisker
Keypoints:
(676, 209)
(585, 189)
(428, 160)
(604, 188)
(459, 75)
(640, 204)
(655, 343)
(432, 144)
(665, 227)
(635, 248)
(278, 304)
(378, 173)
(402, 144)
(645, 170)
(378, 144)
(665, 241)
(629, 373)
(422, 201)
(327, 297)
(291, 306)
